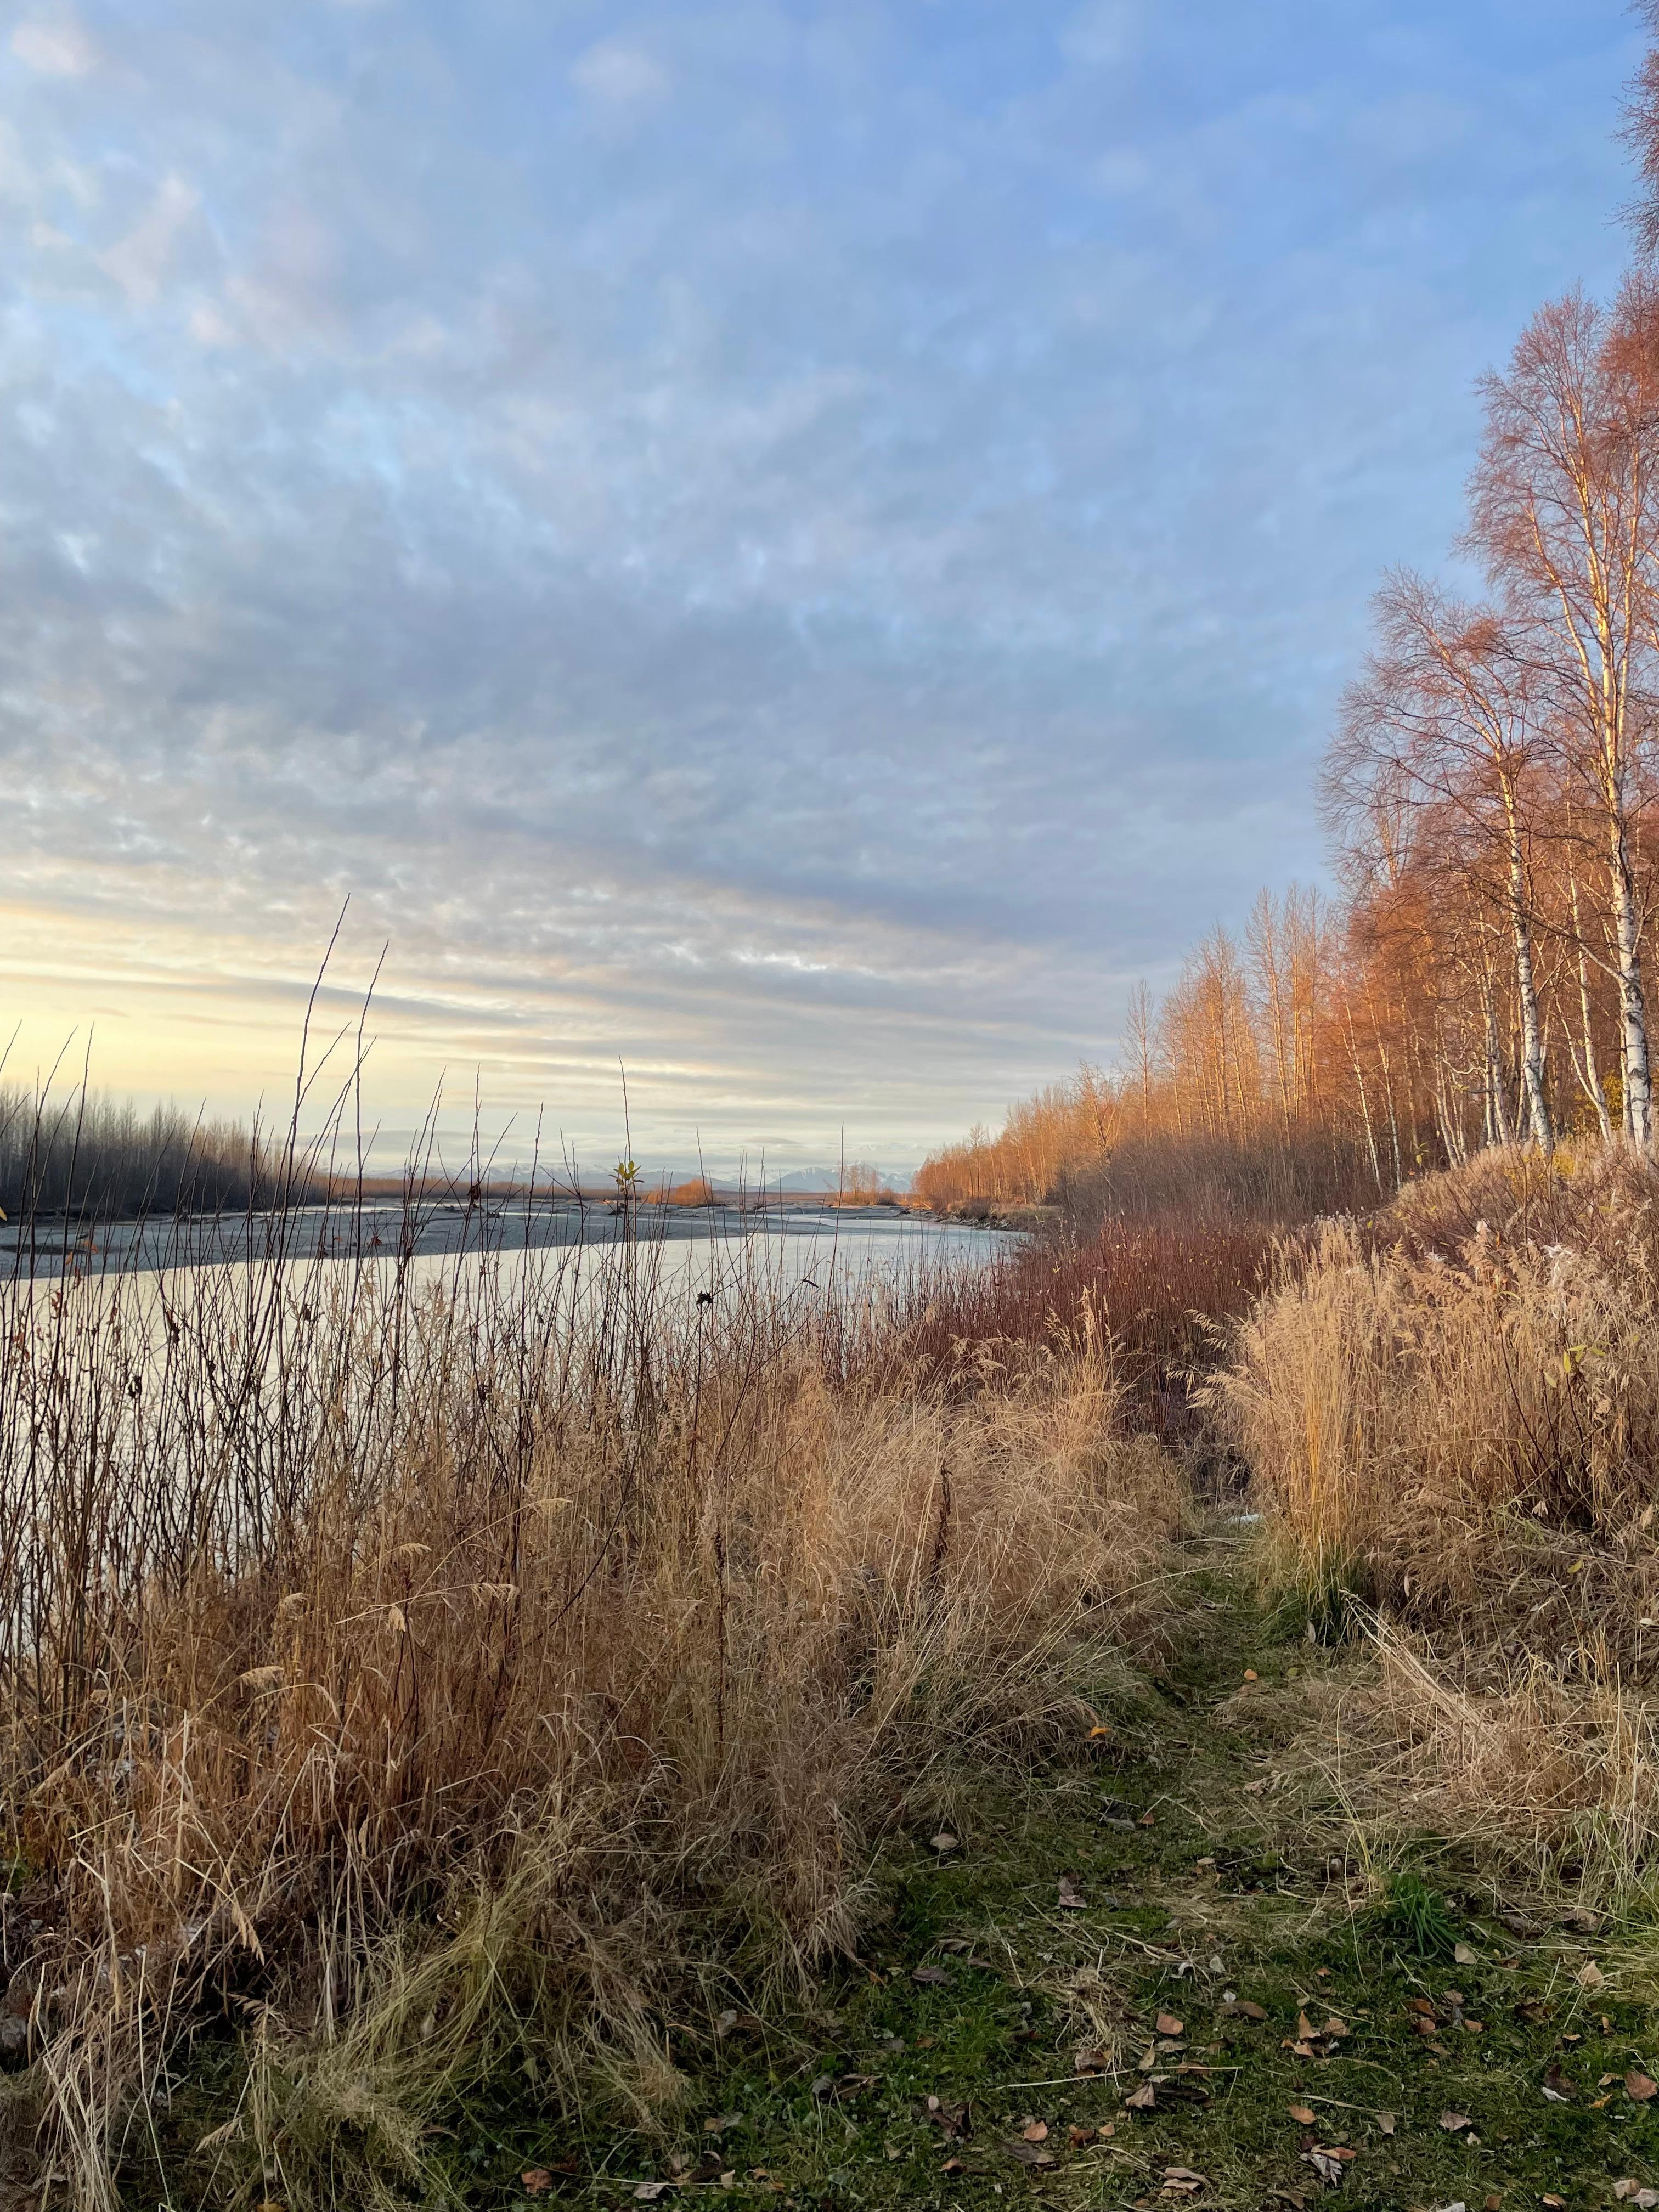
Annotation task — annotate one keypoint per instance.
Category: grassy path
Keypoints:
(1156, 1978)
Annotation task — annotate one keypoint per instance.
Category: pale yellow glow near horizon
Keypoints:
(210, 1016)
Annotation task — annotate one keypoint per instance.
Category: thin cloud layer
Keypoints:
(800, 551)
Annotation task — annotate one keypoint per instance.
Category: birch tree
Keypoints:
(1447, 712)
(1564, 507)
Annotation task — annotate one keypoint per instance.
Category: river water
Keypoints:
(792, 1245)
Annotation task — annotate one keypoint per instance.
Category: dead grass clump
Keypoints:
(1428, 1430)
(1456, 1419)
(1555, 1779)
(420, 1669)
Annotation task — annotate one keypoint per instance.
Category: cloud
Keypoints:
(140, 260)
(1101, 33)
(621, 74)
(55, 47)
(811, 597)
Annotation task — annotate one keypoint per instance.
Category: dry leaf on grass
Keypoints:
(1329, 2165)
(1589, 1976)
(1143, 2099)
(1557, 2090)
(1091, 2060)
(1386, 2122)
(1301, 2116)
(1167, 2024)
(1069, 1900)
(1455, 2123)
(1028, 2154)
(1632, 2192)
(1251, 2010)
(945, 1841)
(1036, 2131)
(929, 1976)
(1640, 2085)
(537, 2182)
(1182, 2181)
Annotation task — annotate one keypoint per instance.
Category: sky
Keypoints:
(791, 550)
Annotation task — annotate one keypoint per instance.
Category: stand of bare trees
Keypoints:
(1480, 978)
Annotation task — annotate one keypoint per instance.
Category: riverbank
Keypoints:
(1163, 1965)
(450, 1740)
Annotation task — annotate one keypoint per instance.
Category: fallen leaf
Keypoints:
(1167, 2024)
(1036, 2131)
(1589, 1976)
(1640, 2085)
(1250, 1675)
(1329, 2165)
(1334, 2029)
(1463, 1955)
(1079, 2136)
(1386, 2122)
(1182, 2181)
(1145, 1820)
(1632, 2192)
(1069, 1900)
(1250, 2010)
(952, 2165)
(1301, 2116)
(945, 1841)
(1305, 2029)
(537, 2182)
(1455, 2123)
(1027, 2154)
(1423, 2005)
(721, 2121)
(1554, 2203)
(929, 1976)
(1143, 2099)
(647, 2192)
(1147, 2059)
(1557, 2090)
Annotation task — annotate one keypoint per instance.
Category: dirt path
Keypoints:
(1160, 1975)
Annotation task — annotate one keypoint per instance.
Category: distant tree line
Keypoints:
(103, 1158)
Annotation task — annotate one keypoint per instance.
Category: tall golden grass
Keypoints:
(408, 1674)
(1453, 1416)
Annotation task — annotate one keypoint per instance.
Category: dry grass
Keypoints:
(1554, 1778)
(1455, 1418)
(415, 1671)
(1437, 1430)
(1155, 1291)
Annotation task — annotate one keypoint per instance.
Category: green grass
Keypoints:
(1207, 1891)
(835, 2112)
